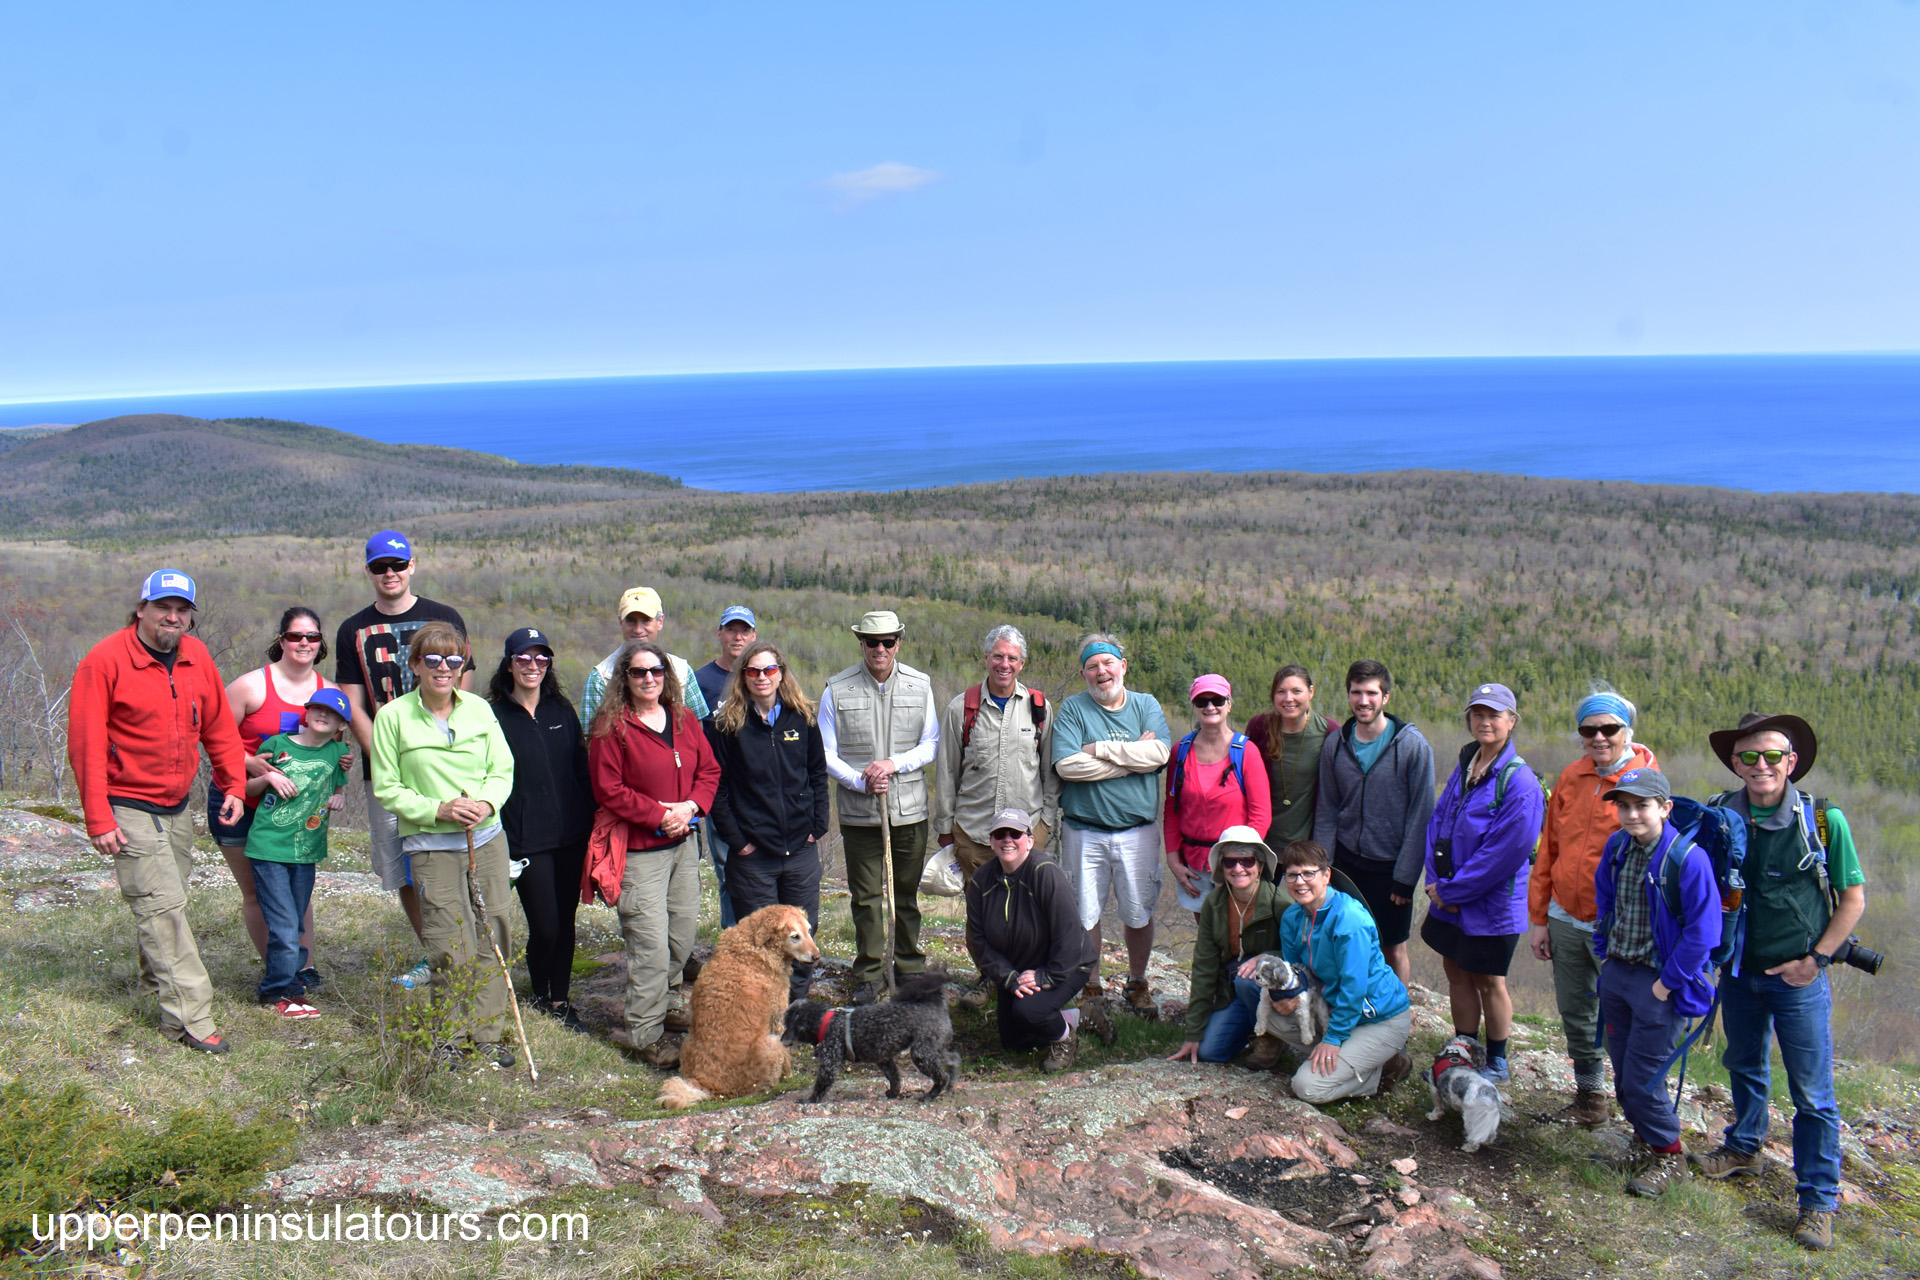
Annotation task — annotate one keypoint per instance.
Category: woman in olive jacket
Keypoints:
(1239, 921)
(772, 805)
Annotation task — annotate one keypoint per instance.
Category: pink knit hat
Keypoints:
(1210, 684)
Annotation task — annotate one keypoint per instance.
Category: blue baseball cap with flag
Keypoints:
(334, 701)
(168, 584)
(389, 544)
(738, 613)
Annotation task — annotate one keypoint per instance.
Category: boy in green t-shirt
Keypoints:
(289, 837)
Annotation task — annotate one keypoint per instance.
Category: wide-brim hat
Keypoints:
(1234, 838)
(878, 622)
(1806, 747)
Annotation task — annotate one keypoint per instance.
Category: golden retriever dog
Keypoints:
(739, 1009)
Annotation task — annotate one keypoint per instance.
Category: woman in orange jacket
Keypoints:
(1560, 905)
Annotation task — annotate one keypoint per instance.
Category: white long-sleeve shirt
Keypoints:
(907, 762)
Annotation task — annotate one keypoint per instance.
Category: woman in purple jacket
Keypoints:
(1654, 969)
(1479, 844)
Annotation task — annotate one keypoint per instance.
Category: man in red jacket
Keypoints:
(143, 700)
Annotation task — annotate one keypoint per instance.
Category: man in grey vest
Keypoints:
(881, 730)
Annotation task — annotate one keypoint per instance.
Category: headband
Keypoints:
(1605, 704)
(1099, 647)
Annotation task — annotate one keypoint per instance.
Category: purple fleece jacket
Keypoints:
(1682, 944)
(1492, 848)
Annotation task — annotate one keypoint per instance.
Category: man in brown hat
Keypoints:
(1804, 894)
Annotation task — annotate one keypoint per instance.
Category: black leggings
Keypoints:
(549, 893)
(1028, 1022)
(760, 879)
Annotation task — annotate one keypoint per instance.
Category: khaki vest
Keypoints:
(880, 722)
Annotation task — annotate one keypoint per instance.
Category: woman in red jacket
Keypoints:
(653, 769)
(1207, 793)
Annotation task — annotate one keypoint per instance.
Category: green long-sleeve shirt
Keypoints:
(419, 761)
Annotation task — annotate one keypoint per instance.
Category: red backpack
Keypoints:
(970, 711)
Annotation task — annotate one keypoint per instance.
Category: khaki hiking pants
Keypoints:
(659, 910)
(452, 934)
(153, 870)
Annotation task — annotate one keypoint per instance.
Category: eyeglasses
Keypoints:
(301, 637)
(1208, 701)
(763, 673)
(646, 673)
(1591, 731)
(388, 566)
(1302, 876)
(443, 661)
(538, 661)
(879, 642)
(1005, 834)
(1239, 864)
(1751, 758)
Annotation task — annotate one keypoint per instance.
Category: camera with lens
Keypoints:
(1861, 957)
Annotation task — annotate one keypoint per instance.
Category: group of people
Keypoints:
(1303, 836)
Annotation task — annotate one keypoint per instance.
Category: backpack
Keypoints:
(1236, 756)
(970, 712)
(1722, 835)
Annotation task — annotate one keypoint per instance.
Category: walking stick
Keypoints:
(886, 858)
(480, 923)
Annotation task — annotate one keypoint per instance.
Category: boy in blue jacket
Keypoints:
(1654, 971)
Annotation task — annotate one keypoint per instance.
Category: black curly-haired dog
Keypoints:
(914, 1021)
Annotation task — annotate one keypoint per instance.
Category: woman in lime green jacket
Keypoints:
(442, 766)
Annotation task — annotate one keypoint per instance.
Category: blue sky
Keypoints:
(204, 197)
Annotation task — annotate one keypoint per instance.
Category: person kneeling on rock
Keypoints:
(1369, 1015)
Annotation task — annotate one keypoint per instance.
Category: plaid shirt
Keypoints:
(1630, 933)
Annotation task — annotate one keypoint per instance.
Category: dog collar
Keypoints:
(846, 1029)
(1447, 1062)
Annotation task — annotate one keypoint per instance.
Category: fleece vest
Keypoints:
(881, 722)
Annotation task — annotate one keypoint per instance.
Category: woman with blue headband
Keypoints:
(1560, 897)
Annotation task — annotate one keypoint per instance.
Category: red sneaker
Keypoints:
(288, 1007)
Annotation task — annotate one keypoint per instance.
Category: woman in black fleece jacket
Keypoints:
(772, 805)
(1023, 924)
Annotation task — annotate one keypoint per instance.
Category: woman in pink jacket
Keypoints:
(1215, 780)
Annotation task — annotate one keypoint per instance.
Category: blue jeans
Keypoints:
(1231, 1025)
(283, 890)
(1641, 1033)
(1756, 1009)
(717, 848)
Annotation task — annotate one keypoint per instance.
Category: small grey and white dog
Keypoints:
(1281, 981)
(914, 1022)
(1458, 1085)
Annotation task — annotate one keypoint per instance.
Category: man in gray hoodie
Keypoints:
(1376, 794)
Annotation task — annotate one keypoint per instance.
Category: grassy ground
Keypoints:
(71, 1012)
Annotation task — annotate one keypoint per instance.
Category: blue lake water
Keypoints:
(1755, 422)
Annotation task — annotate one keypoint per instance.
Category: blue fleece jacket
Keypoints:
(1680, 943)
(1341, 948)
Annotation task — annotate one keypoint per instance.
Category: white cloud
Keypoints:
(890, 178)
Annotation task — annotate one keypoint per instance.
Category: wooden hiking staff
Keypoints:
(886, 860)
(480, 923)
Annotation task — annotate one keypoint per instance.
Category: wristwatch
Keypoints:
(1820, 961)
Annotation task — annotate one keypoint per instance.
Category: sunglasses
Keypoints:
(301, 637)
(1751, 758)
(1591, 731)
(1301, 877)
(880, 642)
(646, 673)
(763, 673)
(537, 661)
(443, 661)
(1208, 701)
(1239, 864)
(388, 566)
(1005, 833)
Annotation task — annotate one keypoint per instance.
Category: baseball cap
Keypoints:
(739, 613)
(640, 600)
(1011, 820)
(1650, 783)
(527, 638)
(167, 584)
(334, 701)
(1496, 697)
(389, 544)
(1210, 684)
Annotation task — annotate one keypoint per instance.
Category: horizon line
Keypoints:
(1881, 352)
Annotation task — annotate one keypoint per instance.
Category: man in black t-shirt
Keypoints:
(370, 666)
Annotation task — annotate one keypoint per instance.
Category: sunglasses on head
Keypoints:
(1208, 701)
(388, 566)
(442, 661)
(532, 659)
(1239, 864)
(646, 673)
(1751, 758)
(768, 672)
(879, 642)
(1600, 730)
(301, 637)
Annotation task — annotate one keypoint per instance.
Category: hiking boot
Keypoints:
(1636, 1156)
(1589, 1107)
(1661, 1172)
(499, 1053)
(1094, 990)
(1093, 1016)
(679, 1019)
(215, 1043)
(976, 997)
(1814, 1230)
(1139, 997)
(1060, 1054)
(563, 1012)
(310, 978)
(454, 1056)
(1724, 1162)
(690, 971)
(1266, 1053)
(288, 1007)
(1496, 1071)
(1392, 1072)
(664, 1052)
(865, 993)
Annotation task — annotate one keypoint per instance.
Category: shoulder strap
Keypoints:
(1236, 756)
(1039, 709)
(1813, 829)
(1506, 773)
(1177, 774)
(970, 711)
(1670, 873)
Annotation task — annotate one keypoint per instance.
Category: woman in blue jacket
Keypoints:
(1332, 935)
(1654, 970)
